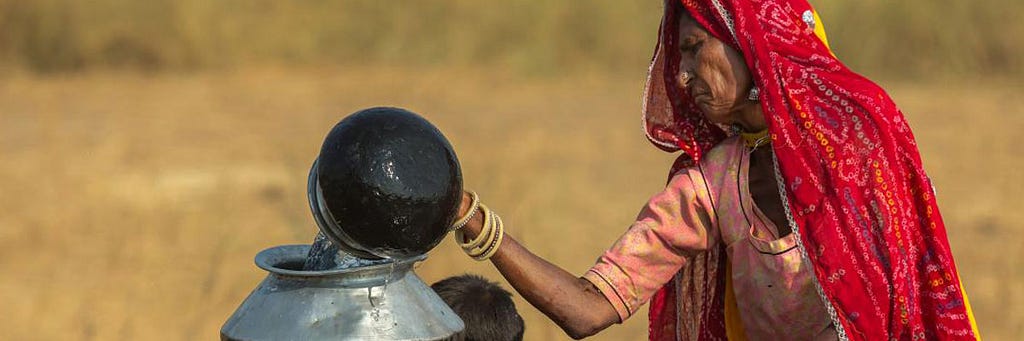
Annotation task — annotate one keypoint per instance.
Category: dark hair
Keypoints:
(486, 308)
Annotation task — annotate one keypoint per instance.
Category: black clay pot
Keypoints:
(389, 184)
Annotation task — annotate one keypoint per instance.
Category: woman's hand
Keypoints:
(467, 202)
(473, 227)
(575, 304)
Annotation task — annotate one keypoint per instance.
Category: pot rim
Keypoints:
(270, 258)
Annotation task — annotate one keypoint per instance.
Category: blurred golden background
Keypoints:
(151, 148)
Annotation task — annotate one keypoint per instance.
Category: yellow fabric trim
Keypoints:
(819, 29)
(733, 325)
(754, 140)
(970, 313)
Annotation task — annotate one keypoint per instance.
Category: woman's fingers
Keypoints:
(467, 202)
(468, 218)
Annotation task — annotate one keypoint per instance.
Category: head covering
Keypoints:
(848, 168)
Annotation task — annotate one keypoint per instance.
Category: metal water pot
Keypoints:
(378, 302)
(386, 186)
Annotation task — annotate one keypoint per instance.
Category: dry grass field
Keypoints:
(131, 206)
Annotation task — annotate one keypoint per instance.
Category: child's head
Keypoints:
(486, 308)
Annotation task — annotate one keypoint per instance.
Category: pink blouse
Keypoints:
(701, 207)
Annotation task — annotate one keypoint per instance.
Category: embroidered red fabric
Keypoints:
(863, 206)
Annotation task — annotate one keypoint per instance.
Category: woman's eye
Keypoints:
(692, 47)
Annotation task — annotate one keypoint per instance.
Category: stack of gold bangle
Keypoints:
(491, 234)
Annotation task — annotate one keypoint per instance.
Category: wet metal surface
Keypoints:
(387, 183)
(322, 254)
(325, 255)
(377, 302)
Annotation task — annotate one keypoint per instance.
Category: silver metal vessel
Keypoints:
(376, 302)
(394, 184)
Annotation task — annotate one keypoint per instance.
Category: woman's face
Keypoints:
(713, 73)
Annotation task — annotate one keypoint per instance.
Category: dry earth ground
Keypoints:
(131, 206)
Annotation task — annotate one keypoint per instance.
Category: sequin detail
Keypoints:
(808, 18)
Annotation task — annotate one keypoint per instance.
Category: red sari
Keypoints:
(850, 175)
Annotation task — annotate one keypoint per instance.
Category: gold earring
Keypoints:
(684, 77)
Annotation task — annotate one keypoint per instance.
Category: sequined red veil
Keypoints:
(857, 194)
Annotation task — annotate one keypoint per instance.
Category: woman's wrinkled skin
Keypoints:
(716, 77)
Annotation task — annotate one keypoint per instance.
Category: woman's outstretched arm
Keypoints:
(575, 304)
(673, 226)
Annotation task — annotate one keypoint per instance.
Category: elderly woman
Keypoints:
(799, 208)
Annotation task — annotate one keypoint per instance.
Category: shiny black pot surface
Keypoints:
(390, 182)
